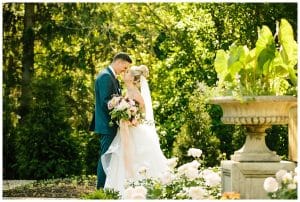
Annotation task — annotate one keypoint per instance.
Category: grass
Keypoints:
(74, 187)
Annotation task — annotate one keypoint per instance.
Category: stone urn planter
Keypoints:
(256, 113)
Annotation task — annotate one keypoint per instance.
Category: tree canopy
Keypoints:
(52, 53)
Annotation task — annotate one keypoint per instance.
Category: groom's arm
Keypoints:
(105, 90)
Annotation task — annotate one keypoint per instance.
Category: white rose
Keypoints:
(167, 178)
(194, 152)
(182, 168)
(138, 196)
(270, 184)
(211, 178)
(141, 190)
(172, 162)
(113, 102)
(196, 193)
(128, 193)
(206, 173)
(138, 193)
(191, 173)
(192, 165)
(279, 174)
(195, 164)
(122, 105)
(295, 179)
(287, 177)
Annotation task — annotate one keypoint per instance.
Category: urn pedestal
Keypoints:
(254, 162)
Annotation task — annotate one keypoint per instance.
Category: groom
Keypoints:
(107, 85)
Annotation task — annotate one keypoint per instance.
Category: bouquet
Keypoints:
(126, 109)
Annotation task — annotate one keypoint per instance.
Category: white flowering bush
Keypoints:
(188, 181)
(283, 185)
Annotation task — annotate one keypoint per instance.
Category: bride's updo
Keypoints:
(138, 71)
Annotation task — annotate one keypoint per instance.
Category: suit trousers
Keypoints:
(105, 142)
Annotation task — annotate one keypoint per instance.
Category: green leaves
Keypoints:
(288, 49)
(264, 70)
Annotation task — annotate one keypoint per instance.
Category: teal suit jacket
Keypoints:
(106, 85)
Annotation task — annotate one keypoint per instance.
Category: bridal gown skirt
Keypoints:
(144, 152)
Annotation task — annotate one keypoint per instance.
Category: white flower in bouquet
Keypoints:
(132, 110)
(122, 105)
(114, 102)
(122, 108)
(196, 193)
(270, 184)
(194, 152)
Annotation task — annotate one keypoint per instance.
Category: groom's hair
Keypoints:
(122, 56)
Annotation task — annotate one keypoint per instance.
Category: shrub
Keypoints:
(45, 145)
(196, 132)
(102, 194)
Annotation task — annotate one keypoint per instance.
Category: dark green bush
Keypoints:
(196, 133)
(92, 153)
(45, 145)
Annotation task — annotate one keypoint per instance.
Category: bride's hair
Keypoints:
(138, 71)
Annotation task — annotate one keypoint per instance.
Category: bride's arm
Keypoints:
(138, 97)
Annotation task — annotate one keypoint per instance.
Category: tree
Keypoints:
(28, 59)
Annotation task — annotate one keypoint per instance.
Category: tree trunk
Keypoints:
(28, 58)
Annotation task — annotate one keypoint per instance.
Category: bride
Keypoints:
(135, 150)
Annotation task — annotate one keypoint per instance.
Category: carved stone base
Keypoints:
(255, 148)
(247, 178)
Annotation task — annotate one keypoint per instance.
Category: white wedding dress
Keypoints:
(143, 149)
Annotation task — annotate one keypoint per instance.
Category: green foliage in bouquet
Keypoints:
(267, 69)
(126, 109)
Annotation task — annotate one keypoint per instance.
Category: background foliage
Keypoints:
(48, 98)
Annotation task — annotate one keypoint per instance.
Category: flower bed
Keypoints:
(283, 186)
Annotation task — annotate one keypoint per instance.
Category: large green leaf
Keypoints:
(265, 48)
(289, 49)
(279, 67)
(289, 46)
(264, 59)
(265, 39)
(237, 58)
(220, 64)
